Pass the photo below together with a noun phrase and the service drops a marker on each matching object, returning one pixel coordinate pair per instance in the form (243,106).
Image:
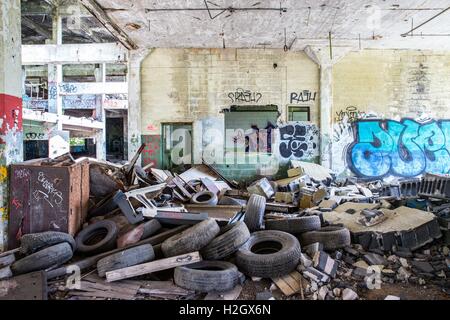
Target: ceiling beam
(36,27)
(93,7)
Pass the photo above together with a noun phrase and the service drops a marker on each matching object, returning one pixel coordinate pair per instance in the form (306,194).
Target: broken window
(296,113)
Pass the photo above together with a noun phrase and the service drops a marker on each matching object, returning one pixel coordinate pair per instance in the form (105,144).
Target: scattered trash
(199,235)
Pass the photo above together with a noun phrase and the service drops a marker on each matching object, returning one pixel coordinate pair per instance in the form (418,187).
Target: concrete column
(134,100)
(52,88)
(321,56)
(59,106)
(56,27)
(100,137)
(326,107)
(11,134)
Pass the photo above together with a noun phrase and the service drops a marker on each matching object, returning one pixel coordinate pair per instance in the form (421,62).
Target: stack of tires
(233,249)
(43,250)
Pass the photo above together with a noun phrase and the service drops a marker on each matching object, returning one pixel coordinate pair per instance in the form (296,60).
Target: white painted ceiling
(355,23)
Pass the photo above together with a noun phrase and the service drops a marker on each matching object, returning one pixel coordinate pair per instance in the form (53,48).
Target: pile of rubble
(154,234)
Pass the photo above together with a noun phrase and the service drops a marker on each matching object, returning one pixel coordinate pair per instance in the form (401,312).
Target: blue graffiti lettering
(406,148)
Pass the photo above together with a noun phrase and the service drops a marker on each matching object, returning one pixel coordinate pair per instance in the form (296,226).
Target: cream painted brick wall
(190,84)
(393,83)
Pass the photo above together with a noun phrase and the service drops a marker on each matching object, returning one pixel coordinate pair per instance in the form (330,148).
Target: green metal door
(176,146)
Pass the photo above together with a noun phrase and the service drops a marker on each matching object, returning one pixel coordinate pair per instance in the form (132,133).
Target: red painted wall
(10,112)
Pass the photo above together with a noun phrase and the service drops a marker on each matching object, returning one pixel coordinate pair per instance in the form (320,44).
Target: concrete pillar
(100,137)
(52,79)
(11,134)
(326,107)
(59,106)
(134,100)
(321,56)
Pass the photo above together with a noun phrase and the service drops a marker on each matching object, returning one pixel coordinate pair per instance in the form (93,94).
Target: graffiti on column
(299,141)
(406,148)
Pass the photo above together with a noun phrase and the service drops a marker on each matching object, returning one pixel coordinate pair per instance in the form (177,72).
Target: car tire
(254,212)
(126,258)
(30,243)
(229,240)
(331,237)
(192,239)
(208,276)
(268,254)
(205,197)
(294,225)
(49,257)
(98,237)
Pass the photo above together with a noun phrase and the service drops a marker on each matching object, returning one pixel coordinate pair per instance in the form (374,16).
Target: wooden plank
(162,288)
(283,286)
(93,7)
(9,252)
(101,294)
(5,273)
(7,260)
(289,284)
(232,294)
(149,267)
(90,261)
(30,286)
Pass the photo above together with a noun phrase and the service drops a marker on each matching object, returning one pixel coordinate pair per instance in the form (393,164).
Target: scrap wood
(90,261)
(160,288)
(289,284)
(232,294)
(94,286)
(153,266)
(129,168)
(9,252)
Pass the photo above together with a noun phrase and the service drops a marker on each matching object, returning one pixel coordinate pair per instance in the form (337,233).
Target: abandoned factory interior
(181,151)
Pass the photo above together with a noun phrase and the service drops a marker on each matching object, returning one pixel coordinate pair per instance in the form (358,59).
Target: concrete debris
(395,231)
(325,263)
(349,294)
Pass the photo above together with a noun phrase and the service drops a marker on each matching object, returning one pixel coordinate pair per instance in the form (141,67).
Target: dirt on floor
(406,291)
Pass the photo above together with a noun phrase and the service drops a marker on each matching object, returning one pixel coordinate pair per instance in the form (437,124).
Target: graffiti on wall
(68,88)
(302,96)
(351,113)
(10,128)
(151,154)
(84,101)
(242,96)
(299,141)
(401,148)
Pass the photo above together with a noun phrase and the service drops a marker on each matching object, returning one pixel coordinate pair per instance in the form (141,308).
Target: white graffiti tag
(50,193)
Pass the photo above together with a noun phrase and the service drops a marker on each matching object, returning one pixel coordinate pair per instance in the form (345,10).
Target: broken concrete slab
(315,275)
(349,294)
(375,259)
(313,170)
(422,266)
(261,187)
(323,262)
